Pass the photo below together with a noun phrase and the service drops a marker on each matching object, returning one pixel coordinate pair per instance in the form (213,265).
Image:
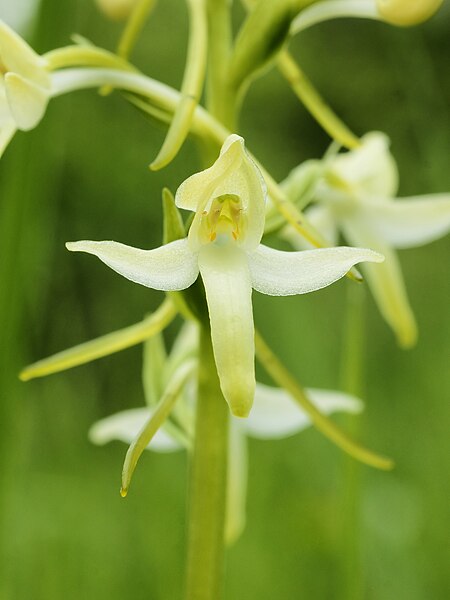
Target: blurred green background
(319,526)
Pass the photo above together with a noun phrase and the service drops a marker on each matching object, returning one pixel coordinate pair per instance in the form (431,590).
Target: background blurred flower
(356,197)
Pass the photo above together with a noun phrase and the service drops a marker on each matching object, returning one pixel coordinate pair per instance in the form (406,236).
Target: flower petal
(276,415)
(125,427)
(233,173)
(27,101)
(386,282)
(194,193)
(410,222)
(18,57)
(369,169)
(279,273)
(170,267)
(224,270)
(237,476)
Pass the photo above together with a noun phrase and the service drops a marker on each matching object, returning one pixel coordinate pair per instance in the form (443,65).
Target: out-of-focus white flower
(356,196)
(224,246)
(24,85)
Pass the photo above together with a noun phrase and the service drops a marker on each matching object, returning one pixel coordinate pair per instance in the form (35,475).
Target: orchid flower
(274,416)
(223,245)
(24,85)
(395,12)
(356,196)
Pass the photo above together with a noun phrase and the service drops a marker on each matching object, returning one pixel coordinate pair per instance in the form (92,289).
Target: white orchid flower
(223,245)
(24,85)
(357,198)
(396,12)
(274,416)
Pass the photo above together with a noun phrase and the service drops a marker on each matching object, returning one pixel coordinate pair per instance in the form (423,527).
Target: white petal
(17,56)
(322,219)
(410,222)
(237,476)
(27,101)
(234,173)
(369,169)
(276,415)
(334,9)
(386,282)
(194,193)
(279,273)
(170,267)
(7,131)
(225,273)
(125,427)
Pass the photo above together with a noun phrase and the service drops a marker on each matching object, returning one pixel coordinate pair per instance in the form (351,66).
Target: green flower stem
(208,483)
(103,346)
(313,102)
(220,99)
(191,89)
(134,26)
(209,462)
(87,56)
(284,379)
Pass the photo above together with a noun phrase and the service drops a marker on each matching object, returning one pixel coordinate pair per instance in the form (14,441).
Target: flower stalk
(208,482)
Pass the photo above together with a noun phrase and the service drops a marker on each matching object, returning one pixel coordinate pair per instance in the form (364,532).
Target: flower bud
(117,10)
(407,12)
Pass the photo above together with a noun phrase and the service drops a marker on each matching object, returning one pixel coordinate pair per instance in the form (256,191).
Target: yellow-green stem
(133,28)
(313,102)
(220,99)
(86,56)
(284,379)
(207,494)
(104,345)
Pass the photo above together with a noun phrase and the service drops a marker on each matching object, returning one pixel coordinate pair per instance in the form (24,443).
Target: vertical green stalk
(208,479)
(352,377)
(207,502)
(221,100)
